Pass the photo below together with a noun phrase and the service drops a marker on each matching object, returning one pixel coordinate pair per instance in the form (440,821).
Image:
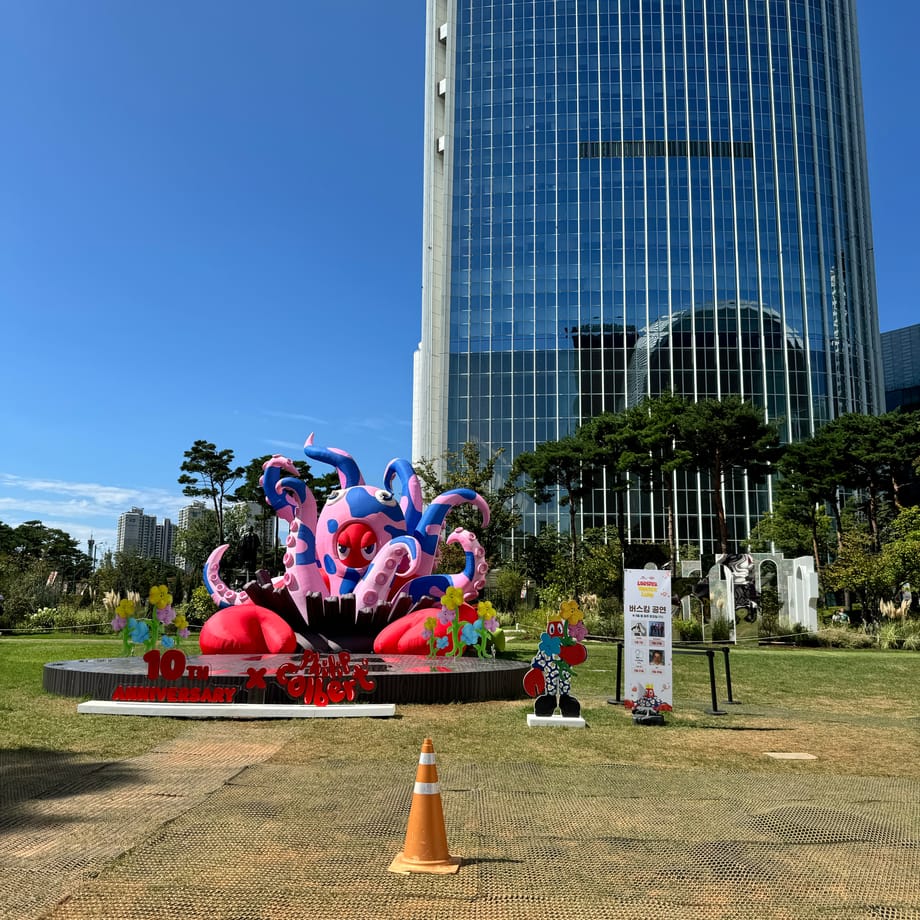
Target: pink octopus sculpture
(364,562)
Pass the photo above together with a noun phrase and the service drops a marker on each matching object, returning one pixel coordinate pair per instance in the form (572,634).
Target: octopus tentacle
(344,463)
(473,577)
(428,531)
(410,500)
(286,495)
(221,594)
(302,573)
(292,500)
(376,583)
(470,581)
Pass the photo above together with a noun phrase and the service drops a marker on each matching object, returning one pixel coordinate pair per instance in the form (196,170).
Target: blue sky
(210,227)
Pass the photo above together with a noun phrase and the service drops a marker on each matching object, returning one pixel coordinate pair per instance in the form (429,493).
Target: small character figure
(648,708)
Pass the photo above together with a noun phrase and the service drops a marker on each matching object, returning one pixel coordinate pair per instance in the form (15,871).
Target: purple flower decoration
(491,624)
(446,617)
(166,615)
(119,623)
(182,633)
(578,631)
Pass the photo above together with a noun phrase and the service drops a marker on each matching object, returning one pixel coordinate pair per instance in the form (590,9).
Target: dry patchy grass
(856,711)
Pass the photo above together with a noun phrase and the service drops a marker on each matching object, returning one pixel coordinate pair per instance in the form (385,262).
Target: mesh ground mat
(219,823)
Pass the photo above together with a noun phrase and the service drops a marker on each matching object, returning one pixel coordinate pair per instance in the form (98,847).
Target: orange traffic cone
(425,849)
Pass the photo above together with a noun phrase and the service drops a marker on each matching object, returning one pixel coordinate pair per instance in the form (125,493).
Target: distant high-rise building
(163,544)
(141,534)
(623,199)
(189,513)
(136,533)
(901,362)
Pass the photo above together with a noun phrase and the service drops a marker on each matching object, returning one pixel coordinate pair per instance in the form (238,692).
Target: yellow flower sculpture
(160,596)
(571,612)
(125,608)
(486,610)
(453,598)
(180,622)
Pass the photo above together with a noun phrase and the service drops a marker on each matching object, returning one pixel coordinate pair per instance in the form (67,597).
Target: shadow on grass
(30,773)
(746,728)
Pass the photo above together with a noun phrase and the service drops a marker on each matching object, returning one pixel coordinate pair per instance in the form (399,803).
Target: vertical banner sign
(647,645)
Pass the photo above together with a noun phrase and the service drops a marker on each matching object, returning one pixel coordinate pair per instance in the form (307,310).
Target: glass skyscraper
(625,197)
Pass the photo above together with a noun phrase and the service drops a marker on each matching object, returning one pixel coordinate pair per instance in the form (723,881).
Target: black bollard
(728,678)
(715,711)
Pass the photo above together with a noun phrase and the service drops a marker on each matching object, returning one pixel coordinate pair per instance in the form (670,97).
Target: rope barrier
(53,629)
(32,630)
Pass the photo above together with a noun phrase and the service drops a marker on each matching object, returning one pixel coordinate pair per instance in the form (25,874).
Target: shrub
(689,630)
(838,637)
(534,619)
(550,598)
(803,638)
(770,607)
(92,622)
(721,629)
(834,637)
(42,619)
(911,640)
(199,607)
(605,618)
(506,590)
(65,618)
(889,636)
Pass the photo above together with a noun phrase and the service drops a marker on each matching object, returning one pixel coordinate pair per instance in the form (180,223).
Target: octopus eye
(384,497)
(341,550)
(334,496)
(369,551)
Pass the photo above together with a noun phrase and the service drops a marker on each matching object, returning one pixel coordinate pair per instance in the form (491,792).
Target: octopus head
(354,525)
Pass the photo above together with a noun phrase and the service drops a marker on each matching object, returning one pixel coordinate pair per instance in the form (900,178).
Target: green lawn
(857,711)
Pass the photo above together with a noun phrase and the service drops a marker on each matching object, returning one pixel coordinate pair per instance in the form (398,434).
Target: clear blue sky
(210,227)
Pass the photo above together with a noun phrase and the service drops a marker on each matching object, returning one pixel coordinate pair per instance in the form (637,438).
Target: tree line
(47,579)
(848,496)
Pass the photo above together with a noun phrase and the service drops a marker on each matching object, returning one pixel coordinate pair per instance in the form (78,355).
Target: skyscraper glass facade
(625,197)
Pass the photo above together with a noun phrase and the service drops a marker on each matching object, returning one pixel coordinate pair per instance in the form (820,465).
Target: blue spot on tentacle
(350,581)
(429,585)
(362,505)
(434,515)
(307,556)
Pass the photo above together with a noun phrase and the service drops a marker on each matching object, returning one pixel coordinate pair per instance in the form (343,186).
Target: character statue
(549,679)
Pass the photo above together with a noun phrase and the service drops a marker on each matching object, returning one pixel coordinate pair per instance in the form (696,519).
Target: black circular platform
(398,678)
